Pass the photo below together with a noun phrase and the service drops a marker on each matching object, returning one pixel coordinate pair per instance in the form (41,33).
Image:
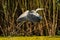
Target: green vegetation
(30,38)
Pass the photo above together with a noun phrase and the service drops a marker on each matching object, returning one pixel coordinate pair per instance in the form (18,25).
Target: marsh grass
(11,9)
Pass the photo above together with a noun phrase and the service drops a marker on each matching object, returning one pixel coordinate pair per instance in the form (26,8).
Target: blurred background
(10,10)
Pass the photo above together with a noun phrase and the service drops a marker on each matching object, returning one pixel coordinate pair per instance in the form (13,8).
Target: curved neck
(39,9)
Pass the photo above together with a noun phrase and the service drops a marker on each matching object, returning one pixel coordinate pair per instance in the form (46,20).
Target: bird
(30,15)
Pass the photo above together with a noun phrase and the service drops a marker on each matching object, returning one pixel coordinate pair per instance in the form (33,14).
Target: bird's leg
(19,25)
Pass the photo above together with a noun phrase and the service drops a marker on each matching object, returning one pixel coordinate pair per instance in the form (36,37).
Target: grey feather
(33,18)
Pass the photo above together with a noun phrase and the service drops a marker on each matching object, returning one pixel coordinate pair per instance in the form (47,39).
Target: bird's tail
(39,9)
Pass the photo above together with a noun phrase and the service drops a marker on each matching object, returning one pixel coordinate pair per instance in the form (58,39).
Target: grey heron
(32,16)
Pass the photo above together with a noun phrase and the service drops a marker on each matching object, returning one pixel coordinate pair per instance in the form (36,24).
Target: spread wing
(23,16)
(33,18)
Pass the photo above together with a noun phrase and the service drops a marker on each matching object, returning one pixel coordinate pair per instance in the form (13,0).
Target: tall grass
(11,9)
